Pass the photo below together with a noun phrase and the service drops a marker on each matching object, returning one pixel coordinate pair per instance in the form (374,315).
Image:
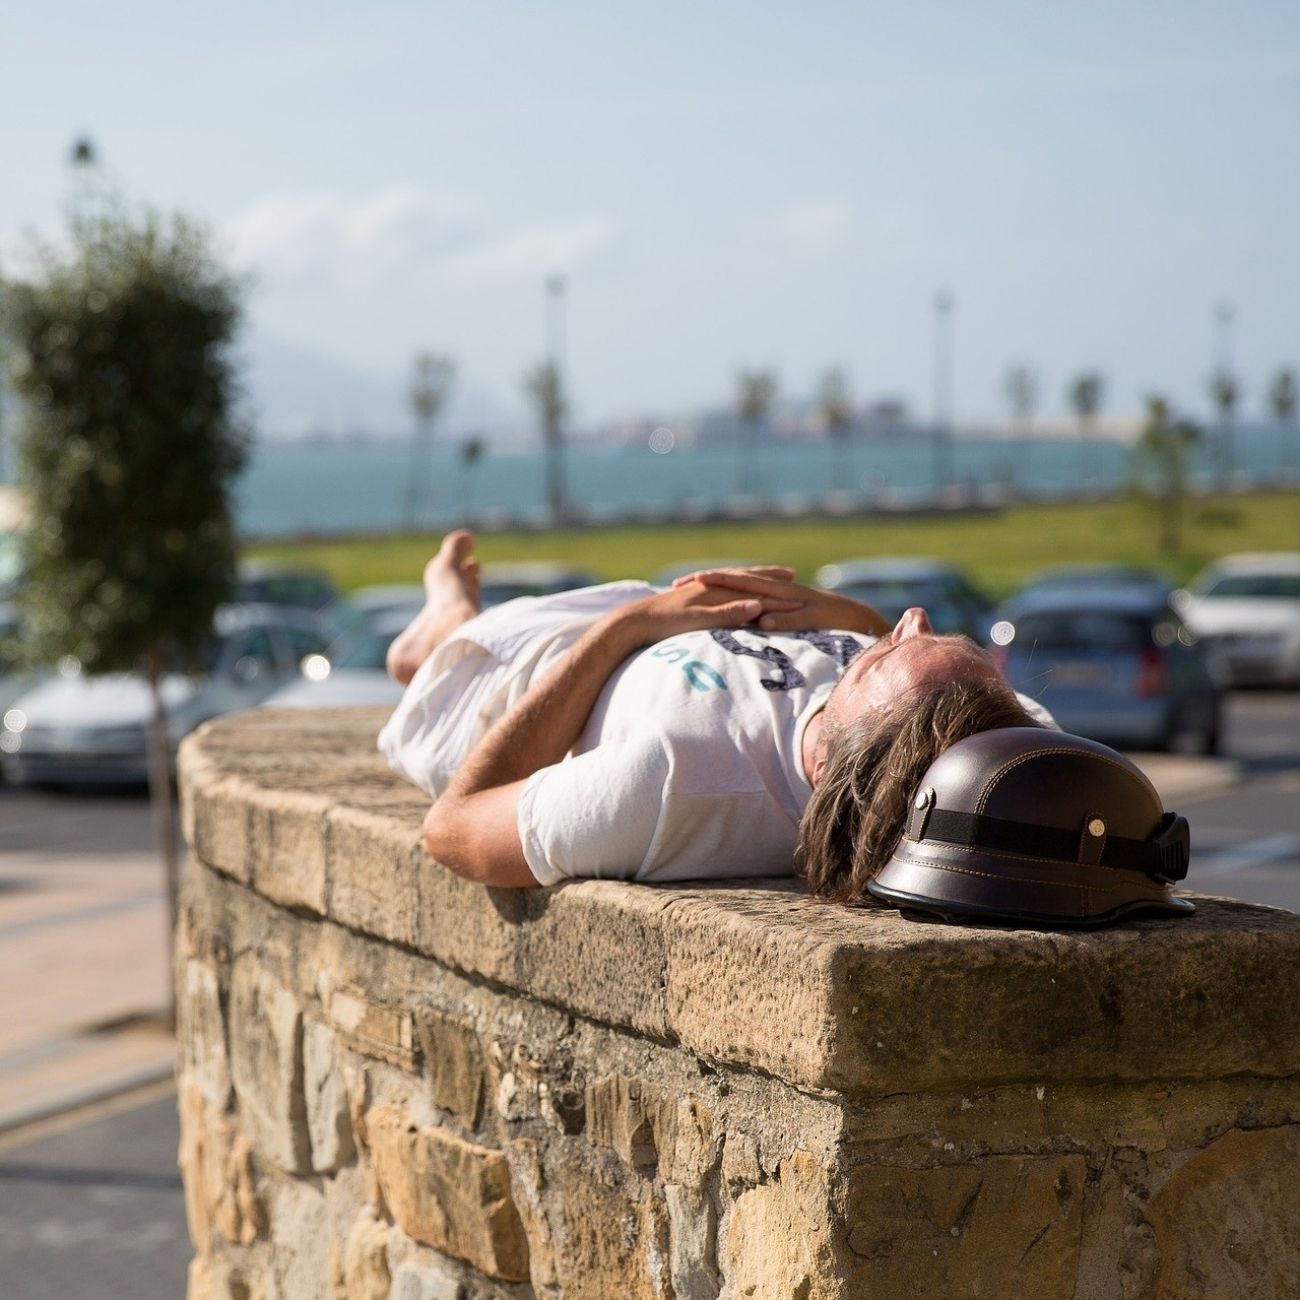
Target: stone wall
(397,1086)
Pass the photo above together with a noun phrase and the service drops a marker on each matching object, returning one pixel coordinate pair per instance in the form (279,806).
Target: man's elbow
(455,840)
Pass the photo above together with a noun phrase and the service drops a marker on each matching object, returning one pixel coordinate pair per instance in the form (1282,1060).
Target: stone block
(692,1243)
(365,1259)
(201,1029)
(219,831)
(266,1065)
(448,1193)
(652,1129)
(221,1194)
(325,1094)
(1226,1220)
(424,1279)
(778,1240)
(218,1279)
(989,1227)
(287,845)
(372,884)
(607,1228)
(373,1028)
(453,1063)
(300,1254)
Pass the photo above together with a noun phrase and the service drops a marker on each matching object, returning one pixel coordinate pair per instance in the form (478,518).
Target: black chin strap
(1165,855)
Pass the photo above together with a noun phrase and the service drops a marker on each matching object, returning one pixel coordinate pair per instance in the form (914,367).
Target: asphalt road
(96,1210)
(1246,838)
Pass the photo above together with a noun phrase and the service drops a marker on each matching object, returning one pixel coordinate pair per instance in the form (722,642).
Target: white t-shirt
(691,764)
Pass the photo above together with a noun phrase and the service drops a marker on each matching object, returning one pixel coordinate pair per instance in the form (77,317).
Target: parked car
(1115,664)
(16,676)
(268,582)
(365,606)
(502,582)
(351,671)
(952,601)
(78,729)
(1248,606)
(669,574)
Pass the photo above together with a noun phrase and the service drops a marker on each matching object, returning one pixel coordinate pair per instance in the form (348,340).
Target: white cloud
(402,231)
(810,227)
(534,251)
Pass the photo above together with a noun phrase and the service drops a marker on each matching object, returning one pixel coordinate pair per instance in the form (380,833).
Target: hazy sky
(725,185)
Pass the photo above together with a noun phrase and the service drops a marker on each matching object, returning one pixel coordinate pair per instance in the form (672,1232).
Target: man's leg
(452,597)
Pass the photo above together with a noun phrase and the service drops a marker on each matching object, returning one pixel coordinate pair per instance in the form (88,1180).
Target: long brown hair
(874,765)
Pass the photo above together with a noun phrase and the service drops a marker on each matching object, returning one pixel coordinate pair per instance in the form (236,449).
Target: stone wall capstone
(395,1085)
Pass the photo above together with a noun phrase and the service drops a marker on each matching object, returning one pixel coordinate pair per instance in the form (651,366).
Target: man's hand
(689,606)
(790,606)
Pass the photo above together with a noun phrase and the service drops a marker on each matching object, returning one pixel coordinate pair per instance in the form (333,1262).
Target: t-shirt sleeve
(1038,712)
(593,815)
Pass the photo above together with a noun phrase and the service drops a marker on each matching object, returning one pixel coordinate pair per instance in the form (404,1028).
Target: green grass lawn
(999,551)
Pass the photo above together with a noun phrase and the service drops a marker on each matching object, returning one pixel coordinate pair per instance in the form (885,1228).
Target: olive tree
(121,356)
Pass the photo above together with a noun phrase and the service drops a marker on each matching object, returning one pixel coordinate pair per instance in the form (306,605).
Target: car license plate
(1077,674)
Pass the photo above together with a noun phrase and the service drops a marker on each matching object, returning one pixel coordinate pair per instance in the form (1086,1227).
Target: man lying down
(735,724)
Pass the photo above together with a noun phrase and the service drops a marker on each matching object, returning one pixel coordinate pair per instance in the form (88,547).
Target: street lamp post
(555,493)
(1225,389)
(944,304)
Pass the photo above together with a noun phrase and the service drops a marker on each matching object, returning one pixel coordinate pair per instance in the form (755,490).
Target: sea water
(299,488)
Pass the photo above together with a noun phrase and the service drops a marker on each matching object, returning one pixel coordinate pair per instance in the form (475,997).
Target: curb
(31,1114)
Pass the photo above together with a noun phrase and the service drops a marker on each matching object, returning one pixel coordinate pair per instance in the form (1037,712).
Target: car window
(1256,586)
(1088,629)
(304,641)
(366,650)
(257,644)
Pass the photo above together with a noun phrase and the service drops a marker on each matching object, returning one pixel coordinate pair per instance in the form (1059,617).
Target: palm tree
(837,417)
(1085,395)
(1225,392)
(1164,453)
(1021,389)
(544,389)
(471,452)
(756,391)
(1282,402)
(428,394)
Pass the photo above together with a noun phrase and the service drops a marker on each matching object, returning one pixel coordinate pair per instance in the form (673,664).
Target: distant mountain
(296,392)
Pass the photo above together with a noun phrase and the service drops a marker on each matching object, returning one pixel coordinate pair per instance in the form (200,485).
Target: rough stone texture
(968,1228)
(448,1193)
(201,1031)
(395,1084)
(1244,1185)
(365,1259)
(454,1066)
(266,1065)
(329,1121)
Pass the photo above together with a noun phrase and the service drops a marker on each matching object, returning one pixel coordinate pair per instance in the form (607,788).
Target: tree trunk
(160,799)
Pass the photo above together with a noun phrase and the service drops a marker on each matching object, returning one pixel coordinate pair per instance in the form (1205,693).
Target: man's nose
(915,622)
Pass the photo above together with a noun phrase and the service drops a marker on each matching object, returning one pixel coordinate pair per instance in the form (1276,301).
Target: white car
(1247,607)
(74,729)
(351,671)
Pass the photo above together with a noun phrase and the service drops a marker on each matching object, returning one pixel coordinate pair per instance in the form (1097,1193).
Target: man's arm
(473,827)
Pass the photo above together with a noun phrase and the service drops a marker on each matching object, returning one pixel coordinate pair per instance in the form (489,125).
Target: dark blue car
(1113,663)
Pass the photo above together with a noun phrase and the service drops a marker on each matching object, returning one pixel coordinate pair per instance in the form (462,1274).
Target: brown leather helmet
(1023,824)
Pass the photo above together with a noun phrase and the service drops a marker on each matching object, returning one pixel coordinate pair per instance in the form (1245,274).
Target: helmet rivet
(922,798)
(1097,827)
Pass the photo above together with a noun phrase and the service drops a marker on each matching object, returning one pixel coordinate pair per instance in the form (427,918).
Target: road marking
(1254,853)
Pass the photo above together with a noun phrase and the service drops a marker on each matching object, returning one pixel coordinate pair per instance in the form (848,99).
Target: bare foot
(453,595)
